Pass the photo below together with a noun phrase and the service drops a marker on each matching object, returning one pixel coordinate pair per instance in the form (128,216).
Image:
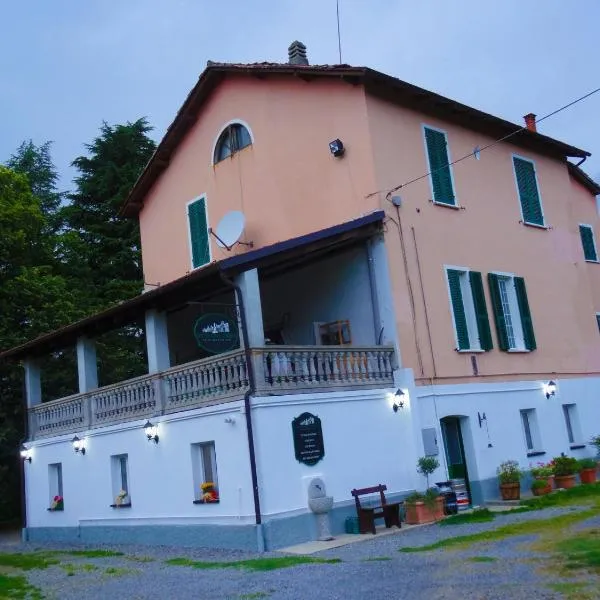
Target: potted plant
(544,472)
(57,504)
(595,441)
(509,477)
(424,507)
(565,468)
(426,465)
(587,470)
(209,492)
(540,487)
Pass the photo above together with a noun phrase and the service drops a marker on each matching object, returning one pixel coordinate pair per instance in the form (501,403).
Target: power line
(337,8)
(490,145)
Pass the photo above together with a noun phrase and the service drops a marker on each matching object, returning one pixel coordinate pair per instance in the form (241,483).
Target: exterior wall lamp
(78,445)
(398,400)
(151,432)
(550,389)
(336,147)
(25,453)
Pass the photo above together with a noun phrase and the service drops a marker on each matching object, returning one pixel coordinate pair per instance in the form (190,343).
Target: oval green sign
(216,333)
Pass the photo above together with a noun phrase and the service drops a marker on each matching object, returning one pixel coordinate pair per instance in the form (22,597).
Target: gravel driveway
(372,569)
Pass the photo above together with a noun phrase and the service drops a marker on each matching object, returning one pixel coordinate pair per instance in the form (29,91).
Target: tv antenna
(337,10)
(230,229)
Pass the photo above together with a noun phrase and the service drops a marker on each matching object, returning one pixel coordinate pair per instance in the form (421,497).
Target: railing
(222,378)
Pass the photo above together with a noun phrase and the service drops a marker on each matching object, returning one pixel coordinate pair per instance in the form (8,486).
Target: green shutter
(598,321)
(481,314)
(437,151)
(526,322)
(587,241)
(529,196)
(199,233)
(458,309)
(498,312)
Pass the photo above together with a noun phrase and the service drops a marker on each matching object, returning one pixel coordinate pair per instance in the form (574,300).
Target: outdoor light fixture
(337,148)
(398,400)
(550,389)
(78,445)
(482,418)
(25,453)
(151,432)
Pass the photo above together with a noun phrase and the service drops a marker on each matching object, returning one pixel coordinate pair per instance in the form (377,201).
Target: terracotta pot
(542,491)
(564,481)
(587,475)
(549,479)
(510,491)
(419,512)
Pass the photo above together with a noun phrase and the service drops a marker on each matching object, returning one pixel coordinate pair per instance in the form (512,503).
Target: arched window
(232,139)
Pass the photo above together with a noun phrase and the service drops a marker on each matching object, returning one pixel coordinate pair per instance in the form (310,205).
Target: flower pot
(419,512)
(564,481)
(587,475)
(510,491)
(542,491)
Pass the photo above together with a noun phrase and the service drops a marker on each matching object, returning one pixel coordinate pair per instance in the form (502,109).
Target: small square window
(55,486)
(120,480)
(531,430)
(205,478)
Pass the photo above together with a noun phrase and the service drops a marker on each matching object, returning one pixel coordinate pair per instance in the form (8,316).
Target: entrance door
(453,445)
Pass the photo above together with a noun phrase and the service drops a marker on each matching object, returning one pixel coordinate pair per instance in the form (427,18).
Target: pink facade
(288,184)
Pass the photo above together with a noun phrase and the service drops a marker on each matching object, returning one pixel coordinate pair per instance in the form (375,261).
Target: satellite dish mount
(230,229)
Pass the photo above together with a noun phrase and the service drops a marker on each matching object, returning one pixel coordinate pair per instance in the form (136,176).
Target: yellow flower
(207,485)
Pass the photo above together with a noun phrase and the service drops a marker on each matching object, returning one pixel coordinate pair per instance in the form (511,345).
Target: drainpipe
(247,395)
(24,535)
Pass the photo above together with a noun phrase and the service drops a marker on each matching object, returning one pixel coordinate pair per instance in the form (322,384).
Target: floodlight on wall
(151,432)
(398,400)
(550,389)
(78,445)
(25,453)
(336,147)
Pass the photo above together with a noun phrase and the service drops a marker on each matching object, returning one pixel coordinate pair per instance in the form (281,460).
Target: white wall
(365,442)
(335,288)
(502,403)
(160,475)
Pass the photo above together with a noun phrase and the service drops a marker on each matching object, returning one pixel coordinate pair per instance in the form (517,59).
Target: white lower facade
(365,443)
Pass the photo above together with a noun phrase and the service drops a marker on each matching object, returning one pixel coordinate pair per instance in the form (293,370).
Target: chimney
(297,54)
(530,122)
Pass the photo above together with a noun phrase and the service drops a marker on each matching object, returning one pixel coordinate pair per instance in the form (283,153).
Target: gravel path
(371,569)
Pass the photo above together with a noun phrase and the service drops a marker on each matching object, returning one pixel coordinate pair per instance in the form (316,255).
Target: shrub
(426,465)
(595,441)
(587,463)
(539,484)
(509,472)
(542,470)
(565,465)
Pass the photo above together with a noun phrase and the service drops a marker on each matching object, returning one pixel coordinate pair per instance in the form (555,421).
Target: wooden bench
(390,512)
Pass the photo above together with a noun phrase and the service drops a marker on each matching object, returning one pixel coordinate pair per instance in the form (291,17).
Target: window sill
(204,502)
(477,351)
(55,509)
(594,262)
(518,351)
(536,453)
(128,505)
(535,225)
(576,446)
(446,204)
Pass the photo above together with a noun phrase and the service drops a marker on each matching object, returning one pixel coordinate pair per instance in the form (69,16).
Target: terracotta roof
(375,82)
(582,177)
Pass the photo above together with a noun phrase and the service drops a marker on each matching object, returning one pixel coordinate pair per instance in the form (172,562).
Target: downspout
(249,393)
(24,535)
(581,161)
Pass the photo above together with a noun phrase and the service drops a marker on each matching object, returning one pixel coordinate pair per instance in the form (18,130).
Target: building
(382,303)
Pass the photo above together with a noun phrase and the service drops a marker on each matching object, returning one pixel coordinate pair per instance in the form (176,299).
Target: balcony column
(87,365)
(250,287)
(157,341)
(384,313)
(33,382)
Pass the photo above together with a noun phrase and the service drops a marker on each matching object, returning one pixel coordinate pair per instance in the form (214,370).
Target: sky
(68,65)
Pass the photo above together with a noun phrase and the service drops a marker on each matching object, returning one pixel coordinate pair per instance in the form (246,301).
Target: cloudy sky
(67,65)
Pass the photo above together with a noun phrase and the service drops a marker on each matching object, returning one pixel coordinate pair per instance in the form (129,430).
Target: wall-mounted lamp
(398,400)
(482,418)
(336,147)
(151,432)
(230,420)
(550,389)
(78,445)
(25,453)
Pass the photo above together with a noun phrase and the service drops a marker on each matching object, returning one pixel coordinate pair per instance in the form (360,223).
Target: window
(55,482)
(531,431)
(511,312)
(572,424)
(469,310)
(598,320)
(120,480)
(436,145)
(529,196)
(204,465)
(588,242)
(198,228)
(232,139)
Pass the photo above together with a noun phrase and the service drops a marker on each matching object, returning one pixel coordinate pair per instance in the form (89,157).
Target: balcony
(279,370)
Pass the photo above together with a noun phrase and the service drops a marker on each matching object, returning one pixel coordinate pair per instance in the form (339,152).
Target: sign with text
(216,333)
(308,439)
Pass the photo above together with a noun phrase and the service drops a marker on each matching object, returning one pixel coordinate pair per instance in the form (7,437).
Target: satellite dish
(230,229)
